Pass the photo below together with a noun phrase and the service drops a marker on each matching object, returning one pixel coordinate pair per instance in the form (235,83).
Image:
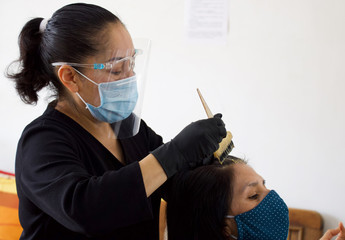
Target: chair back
(305,225)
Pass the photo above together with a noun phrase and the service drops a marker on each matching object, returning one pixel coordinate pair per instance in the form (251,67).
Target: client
(228,201)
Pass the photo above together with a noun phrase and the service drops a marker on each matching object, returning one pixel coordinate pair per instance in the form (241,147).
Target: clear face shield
(114,86)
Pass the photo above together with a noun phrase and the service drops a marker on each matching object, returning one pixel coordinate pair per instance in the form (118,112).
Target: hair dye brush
(226,145)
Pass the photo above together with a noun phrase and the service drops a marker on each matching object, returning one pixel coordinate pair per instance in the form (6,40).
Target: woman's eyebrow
(118,58)
(251,184)
(115,59)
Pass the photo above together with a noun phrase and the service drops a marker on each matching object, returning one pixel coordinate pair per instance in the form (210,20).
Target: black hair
(71,34)
(199,200)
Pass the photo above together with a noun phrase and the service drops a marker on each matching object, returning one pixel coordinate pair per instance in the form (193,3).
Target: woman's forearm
(153,174)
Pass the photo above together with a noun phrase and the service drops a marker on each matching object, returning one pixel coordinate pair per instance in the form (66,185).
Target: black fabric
(71,187)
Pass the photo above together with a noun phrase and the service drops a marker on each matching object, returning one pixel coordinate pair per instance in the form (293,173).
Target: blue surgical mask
(118,99)
(267,221)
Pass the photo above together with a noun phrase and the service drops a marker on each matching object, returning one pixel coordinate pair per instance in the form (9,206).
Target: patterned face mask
(267,221)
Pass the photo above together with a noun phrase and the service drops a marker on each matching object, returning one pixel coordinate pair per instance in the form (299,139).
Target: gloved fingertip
(218,115)
(224,133)
(219,122)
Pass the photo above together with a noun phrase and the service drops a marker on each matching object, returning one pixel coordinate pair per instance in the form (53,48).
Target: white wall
(279,83)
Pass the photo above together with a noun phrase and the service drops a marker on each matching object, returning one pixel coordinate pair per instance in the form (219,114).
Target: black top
(71,187)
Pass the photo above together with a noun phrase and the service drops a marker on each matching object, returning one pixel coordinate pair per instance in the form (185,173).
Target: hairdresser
(89,167)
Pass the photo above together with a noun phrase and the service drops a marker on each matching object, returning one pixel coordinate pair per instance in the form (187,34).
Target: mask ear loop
(86,107)
(231,217)
(85,77)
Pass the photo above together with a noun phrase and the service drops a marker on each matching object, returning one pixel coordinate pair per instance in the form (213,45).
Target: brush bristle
(225,147)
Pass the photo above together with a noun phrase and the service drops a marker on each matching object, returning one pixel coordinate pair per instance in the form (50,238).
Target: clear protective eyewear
(116,65)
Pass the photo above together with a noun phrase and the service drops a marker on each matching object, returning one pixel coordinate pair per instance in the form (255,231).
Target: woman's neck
(102,131)
(82,116)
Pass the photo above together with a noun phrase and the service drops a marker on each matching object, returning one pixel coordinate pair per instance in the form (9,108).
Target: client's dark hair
(199,200)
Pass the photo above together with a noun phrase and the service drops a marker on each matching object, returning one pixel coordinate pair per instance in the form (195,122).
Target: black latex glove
(193,146)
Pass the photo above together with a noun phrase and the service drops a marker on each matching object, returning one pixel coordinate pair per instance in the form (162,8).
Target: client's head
(225,201)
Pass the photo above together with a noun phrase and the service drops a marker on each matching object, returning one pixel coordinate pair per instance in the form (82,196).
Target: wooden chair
(305,225)
(162,220)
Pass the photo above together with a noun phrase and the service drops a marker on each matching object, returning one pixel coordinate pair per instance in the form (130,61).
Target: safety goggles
(114,65)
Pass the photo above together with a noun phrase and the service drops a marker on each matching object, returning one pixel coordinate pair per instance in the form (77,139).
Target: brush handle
(226,145)
(207,109)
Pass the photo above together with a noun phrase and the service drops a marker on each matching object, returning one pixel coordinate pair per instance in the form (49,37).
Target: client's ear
(227,231)
(230,228)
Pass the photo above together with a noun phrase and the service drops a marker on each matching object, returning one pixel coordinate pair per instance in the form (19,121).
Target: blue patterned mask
(118,99)
(267,221)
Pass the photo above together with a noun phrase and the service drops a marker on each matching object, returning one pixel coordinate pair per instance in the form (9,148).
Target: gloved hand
(193,146)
